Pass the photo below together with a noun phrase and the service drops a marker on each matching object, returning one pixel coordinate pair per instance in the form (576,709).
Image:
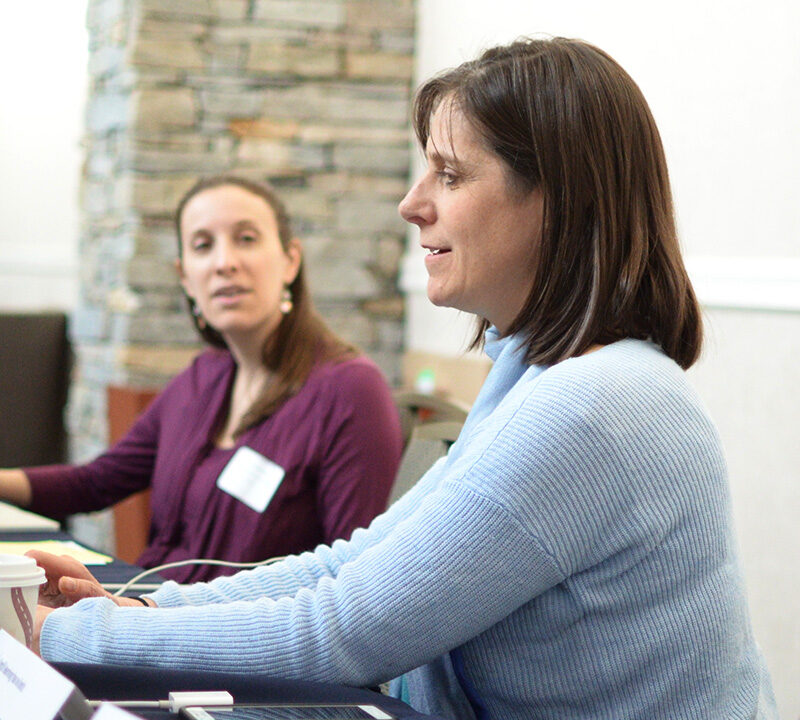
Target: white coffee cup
(20,578)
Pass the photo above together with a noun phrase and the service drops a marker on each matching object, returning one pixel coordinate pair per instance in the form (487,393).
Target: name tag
(251,478)
(29,687)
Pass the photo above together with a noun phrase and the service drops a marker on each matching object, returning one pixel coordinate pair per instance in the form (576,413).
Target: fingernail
(70,584)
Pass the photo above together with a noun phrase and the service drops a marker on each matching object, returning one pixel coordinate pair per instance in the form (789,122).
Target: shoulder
(629,376)
(350,377)
(624,397)
(350,391)
(596,435)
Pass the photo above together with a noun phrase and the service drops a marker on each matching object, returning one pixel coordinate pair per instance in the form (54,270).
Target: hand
(67,580)
(41,613)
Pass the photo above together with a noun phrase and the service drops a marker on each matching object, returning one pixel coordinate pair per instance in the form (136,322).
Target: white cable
(177,701)
(195,561)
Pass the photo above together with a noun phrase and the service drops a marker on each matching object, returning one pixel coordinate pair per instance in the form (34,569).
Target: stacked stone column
(311,95)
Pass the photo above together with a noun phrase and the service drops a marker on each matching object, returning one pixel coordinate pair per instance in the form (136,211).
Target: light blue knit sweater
(574,551)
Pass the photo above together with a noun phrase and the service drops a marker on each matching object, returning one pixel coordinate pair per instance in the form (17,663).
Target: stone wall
(312,95)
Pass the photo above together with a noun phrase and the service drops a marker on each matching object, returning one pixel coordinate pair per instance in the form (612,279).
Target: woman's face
(232,263)
(480,234)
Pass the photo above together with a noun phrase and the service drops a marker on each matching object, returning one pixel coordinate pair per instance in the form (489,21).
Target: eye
(248,237)
(200,243)
(447,177)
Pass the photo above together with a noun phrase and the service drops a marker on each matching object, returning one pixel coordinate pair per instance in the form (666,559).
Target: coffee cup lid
(19,570)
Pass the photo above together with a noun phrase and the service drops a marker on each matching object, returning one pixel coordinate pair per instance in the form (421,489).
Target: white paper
(251,478)
(14,518)
(29,687)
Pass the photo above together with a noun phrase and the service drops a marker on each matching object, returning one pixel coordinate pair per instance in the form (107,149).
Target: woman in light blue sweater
(573,555)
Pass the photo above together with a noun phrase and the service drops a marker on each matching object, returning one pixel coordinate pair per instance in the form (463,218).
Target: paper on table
(57,547)
(14,518)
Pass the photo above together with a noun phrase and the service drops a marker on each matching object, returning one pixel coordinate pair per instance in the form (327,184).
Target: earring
(198,317)
(286,303)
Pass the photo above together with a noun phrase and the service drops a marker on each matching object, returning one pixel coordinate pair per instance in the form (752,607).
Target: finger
(56,566)
(75,589)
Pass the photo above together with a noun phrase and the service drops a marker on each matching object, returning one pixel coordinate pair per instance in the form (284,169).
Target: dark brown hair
(301,340)
(565,118)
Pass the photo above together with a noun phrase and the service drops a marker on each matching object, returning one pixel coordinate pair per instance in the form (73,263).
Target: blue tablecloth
(111,682)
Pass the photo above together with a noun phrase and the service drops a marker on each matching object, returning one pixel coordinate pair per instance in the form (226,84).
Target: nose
(226,259)
(416,207)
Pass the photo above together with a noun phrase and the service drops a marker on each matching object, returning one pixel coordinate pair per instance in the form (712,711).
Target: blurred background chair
(35,364)
(417,408)
(430,425)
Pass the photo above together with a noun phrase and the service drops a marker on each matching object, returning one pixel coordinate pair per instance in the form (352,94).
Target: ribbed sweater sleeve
(340,630)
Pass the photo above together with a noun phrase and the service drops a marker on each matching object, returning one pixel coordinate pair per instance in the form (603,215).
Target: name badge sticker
(251,478)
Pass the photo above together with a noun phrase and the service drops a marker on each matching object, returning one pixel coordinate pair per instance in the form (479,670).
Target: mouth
(432,251)
(229,291)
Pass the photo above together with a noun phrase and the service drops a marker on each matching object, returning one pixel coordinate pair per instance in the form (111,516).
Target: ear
(181,275)
(294,253)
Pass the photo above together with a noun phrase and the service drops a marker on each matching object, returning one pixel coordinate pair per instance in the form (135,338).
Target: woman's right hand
(68,581)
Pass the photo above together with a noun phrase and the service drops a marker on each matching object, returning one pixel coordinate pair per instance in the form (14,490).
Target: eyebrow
(433,154)
(249,224)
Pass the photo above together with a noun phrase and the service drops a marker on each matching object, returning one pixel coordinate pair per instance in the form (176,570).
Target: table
(107,682)
(110,682)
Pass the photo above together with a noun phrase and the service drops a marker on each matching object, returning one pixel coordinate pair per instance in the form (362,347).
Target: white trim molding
(33,286)
(745,283)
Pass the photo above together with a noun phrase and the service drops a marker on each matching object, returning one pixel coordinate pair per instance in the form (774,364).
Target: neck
(248,348)
(251,374)
(249,382)
(249,359)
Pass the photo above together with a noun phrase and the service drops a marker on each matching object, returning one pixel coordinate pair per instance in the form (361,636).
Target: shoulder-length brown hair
(301,340)
(564,117)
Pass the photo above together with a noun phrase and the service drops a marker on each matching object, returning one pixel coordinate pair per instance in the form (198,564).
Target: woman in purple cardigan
(278,438)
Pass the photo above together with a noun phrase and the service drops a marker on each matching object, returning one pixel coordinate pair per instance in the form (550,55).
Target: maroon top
(338,440)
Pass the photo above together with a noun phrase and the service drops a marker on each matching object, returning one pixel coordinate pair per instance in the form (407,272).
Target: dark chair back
(35,363)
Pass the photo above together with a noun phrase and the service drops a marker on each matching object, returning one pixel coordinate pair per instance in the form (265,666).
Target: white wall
(43,57)
(723,81)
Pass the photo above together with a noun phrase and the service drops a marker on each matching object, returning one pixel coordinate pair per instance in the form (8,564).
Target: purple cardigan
(338,440)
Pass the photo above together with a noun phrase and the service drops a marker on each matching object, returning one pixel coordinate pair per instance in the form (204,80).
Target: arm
(430,585)
(361,449)
(61,490)
(441,566)
(15,487)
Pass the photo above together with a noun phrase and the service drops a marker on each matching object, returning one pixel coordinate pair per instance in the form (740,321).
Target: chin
(444,301)
(437,297)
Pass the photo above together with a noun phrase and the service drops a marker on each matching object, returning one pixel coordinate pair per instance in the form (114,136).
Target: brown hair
(301,340)
(564,117)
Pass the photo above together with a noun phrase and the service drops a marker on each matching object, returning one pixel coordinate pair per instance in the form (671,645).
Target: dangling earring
(198,316)
(286,304)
